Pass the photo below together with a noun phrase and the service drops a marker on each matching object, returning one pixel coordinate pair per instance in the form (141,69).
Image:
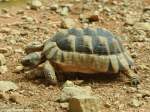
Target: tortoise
(83,50)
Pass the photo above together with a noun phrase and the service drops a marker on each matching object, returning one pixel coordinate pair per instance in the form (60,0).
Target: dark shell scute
(91,32)
(59,36)
(64,44)
(80,47)
(113,48)
(77,32)
(98,48)
(95,36)
(105,33)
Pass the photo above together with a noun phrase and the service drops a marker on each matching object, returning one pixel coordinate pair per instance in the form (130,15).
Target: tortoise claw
(50,78)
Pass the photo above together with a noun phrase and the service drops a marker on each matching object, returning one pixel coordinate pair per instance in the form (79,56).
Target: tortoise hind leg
(49,73)
(134,79)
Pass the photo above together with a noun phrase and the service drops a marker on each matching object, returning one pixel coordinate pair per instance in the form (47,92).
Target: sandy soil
(36,96)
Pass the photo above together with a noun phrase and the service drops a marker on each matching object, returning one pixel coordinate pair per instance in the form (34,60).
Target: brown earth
(115,93)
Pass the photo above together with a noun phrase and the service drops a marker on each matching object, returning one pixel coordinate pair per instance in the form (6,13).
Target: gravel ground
(130,19)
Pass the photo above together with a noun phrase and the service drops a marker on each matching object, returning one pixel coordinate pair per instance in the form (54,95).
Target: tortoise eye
(26,62)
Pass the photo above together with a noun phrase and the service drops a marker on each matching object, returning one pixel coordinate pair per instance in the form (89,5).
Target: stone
(7,86)
(6,15)
(6,51)
(145,93)
(86,25)
(93,18)
(69,92)
(68,84)
(2,38)
(64,11)
(143,67)
(142,26)
(64,105)
(19,68)
(84,104)
(67,23)
(134,55)
(5,10)
(2,60)
(21,51)
(20,12)
(135,103)
(4,0)
(54,7)
(4,96)
(3,50)
(138,35)
(17,98)
(146,8)
(107,105)
(138,95)
(3,69)
(131,90)
(129,21)
(35,4)
(13,41)
(83,18)
(146,17)
(5,30)
(107,9)
(77,0)
(28,18)
(68,5)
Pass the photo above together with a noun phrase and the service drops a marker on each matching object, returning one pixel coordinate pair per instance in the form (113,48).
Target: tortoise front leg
(49,73)
(133,77)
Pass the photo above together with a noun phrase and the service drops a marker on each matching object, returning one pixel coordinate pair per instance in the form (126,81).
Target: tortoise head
(32,59)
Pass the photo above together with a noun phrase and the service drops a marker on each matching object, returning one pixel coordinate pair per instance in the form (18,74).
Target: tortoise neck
(43,58)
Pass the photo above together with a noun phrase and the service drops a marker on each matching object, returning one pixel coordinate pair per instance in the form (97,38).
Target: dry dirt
(115,93)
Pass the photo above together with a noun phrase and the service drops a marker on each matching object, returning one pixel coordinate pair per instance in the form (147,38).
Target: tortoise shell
(96,49)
